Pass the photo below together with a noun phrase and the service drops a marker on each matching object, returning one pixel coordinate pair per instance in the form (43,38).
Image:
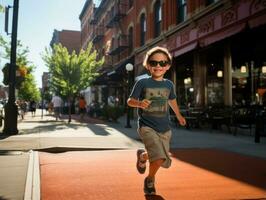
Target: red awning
(185,49)
(220,35)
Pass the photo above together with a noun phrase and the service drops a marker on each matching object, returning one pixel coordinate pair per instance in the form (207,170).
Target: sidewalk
(18,176)
(17,163)
(195,174)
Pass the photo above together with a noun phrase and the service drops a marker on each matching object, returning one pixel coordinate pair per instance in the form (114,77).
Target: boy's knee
(158,162)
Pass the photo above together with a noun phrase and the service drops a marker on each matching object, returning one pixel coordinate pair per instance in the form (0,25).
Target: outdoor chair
(216,116)
(260,128)
(243,118)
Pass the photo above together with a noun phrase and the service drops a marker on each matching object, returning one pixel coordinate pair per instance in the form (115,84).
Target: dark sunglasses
(162,63)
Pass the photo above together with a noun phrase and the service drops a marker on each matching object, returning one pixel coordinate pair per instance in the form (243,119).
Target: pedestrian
(33,106)
(82,107)
(57,103)
(111,100)
(152,96)
(23,108)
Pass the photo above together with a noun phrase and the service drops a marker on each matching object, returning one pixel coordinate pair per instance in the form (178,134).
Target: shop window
(181,10)
(157,18)
(184,81)
(215,75)
(249,65)
(215,86)
(143,29)
(249,83)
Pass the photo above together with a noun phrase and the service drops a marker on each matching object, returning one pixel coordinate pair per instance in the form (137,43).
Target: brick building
(212,42)
(68,38)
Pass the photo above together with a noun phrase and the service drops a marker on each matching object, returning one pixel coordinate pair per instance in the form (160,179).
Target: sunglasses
(162,63)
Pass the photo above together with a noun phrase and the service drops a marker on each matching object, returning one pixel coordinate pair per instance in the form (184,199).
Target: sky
(36,23)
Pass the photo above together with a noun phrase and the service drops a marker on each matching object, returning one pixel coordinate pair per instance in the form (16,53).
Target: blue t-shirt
(156,115)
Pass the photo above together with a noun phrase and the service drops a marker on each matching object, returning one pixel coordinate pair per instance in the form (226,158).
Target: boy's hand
(145,103)
(182,120)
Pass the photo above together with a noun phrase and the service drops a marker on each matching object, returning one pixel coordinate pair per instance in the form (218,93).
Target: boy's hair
(155,50)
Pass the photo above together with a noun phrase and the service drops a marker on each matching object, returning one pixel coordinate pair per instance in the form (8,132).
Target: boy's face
(158,65)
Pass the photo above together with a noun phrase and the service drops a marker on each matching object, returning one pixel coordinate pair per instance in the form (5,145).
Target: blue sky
(36,23)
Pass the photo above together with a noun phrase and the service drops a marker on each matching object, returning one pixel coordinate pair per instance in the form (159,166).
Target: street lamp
(129,69)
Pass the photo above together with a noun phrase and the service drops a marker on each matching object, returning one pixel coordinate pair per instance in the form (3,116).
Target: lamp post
(129,69)
(42,93)
(11,109)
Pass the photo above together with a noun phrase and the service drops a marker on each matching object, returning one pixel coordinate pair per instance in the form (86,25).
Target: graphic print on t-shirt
(159,101)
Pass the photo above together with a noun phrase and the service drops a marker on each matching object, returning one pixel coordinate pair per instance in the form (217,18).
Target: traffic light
(21,72)
(5,71)
(20,75)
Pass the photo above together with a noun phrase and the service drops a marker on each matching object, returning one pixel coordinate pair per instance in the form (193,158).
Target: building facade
(218,46)
(68,38)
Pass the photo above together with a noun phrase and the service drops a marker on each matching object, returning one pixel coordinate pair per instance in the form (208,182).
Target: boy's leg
(149,188)
(154,166)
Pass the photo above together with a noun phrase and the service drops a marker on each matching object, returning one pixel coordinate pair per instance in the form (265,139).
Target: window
(157,18)
(130,39)
(182,10)
(143,29)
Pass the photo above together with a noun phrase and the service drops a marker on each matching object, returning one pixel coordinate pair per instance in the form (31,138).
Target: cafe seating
(260,128)
(216,116)
(243,118)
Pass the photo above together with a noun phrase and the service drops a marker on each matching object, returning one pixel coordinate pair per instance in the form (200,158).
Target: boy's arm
(176,110)
(138,104)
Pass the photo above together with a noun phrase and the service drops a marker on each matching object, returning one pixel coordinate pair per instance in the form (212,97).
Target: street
(194,174)
(96,160)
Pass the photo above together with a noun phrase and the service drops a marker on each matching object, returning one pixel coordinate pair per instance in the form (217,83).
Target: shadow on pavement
(48,128)
(98,129)
(246,169)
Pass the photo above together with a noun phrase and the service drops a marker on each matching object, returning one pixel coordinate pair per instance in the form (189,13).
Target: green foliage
(73,72)
(2,9)
(28,88)
(112,112)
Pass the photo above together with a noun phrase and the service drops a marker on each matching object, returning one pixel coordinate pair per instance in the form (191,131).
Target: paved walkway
(18,168)
(195,174)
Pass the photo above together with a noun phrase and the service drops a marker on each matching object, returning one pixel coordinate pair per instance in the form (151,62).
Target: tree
(73,72)
(2,9)
(28,89)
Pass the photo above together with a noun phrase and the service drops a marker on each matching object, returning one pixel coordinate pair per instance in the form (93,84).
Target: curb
(62,149)
(32,188)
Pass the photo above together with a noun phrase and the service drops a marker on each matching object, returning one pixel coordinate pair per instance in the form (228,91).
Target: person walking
(82,107)
(152,96)
(33,106)
(57,103)
(23,108)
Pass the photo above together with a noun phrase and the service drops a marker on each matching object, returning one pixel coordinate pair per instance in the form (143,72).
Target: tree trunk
(69,110)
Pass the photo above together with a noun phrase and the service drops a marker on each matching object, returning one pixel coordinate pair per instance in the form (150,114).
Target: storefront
(248,66)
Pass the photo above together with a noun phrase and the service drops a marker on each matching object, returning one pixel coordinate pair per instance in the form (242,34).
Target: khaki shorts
(157,144)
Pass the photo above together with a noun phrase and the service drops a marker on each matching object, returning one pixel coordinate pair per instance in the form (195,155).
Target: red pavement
(195,174)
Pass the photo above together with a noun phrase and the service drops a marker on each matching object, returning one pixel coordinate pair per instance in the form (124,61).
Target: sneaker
(141,165)
(149,188)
